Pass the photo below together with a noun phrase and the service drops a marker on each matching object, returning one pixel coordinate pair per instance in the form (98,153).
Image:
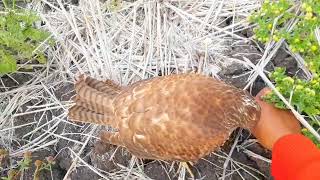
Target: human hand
(274,123)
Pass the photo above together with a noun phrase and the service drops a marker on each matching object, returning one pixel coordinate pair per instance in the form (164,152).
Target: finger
(264,92)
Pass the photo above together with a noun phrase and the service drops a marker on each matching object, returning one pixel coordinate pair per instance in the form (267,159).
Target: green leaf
(19,38)
(41,59)
(7,64)
(35,34)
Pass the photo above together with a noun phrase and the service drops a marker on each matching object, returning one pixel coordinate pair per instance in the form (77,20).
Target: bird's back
(181,117)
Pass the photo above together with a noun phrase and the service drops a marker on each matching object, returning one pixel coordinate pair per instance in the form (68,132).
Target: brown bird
(177,117)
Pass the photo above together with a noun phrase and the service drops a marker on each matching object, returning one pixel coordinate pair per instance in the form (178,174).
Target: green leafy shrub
(272,24)
(19,38)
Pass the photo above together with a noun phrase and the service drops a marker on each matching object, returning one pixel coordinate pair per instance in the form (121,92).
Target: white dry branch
(134,40)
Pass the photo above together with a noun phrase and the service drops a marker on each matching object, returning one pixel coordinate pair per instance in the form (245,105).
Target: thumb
(262,93)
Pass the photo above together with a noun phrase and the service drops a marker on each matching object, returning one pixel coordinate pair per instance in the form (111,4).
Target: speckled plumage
(178,117)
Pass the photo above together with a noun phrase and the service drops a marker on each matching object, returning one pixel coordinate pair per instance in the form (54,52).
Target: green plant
(41,166)
(19,38)
(12,175)
(273,21)
(3,158)
(113,5)
(23,165)
(26,163)
(310,136)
